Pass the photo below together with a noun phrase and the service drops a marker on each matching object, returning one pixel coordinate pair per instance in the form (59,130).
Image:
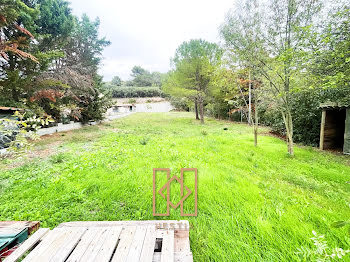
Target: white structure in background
(159,107)
(123,108)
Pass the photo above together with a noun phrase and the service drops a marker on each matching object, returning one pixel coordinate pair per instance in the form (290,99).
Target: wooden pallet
(14,227)
(12,233)
(109,241)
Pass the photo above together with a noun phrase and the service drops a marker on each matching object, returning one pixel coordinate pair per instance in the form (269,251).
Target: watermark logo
(185,191)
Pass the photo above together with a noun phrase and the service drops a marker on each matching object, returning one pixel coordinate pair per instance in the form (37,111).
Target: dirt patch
(45,152)
(42,148)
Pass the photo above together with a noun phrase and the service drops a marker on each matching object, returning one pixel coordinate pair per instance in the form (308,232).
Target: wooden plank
(323,122)
(183,257)
(160,224)
(60,247)
(11,231)
(148,245)
(182,241)
(69,243)
(44,244)
(84,243)
(126,238)
(137,244)
(14,224)
(178,256)
(6,226)
(47,253)
(108,247)
(167,254)
(95,245)
(27,245)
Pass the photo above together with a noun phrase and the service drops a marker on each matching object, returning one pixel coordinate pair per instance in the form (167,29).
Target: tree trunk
(201,110)
(196,108)
(250,102)
(256,125)
(13,85)
(15,94)
(288,122)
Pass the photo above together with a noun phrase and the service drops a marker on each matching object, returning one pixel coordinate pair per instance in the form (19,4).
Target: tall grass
(254,203)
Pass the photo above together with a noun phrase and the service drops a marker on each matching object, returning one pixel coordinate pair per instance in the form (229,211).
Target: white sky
(147,32)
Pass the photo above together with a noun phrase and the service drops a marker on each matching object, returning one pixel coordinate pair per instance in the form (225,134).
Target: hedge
(132,91)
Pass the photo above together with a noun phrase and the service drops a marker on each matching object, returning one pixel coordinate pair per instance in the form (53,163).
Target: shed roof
(333,105)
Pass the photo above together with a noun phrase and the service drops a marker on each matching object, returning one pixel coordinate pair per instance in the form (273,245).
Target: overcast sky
(147,32)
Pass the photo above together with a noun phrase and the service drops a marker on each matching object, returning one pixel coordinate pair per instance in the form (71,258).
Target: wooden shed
(335,127)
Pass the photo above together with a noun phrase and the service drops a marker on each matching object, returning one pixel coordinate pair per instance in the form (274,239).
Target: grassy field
(254,204)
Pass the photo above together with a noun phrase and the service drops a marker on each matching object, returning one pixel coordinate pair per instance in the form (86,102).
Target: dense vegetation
(49,60)
(286,57)
(136,91)
(142,84)
(254,203)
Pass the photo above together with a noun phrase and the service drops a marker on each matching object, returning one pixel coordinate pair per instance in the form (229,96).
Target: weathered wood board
(109,241)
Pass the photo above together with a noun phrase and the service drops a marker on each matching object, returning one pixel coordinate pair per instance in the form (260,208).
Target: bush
(132,101)
(180,104)
(132,91)
(14,132)
(306,113)
(8,133)
(219,109)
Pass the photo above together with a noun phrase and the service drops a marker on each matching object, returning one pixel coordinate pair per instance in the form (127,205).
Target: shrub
(132,101)
(306,113)
(132,91)
(58,158)
(14,132)
(180,104)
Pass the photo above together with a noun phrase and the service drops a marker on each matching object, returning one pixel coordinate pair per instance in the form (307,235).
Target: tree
(116,81)
(17,49)
(55,24)
(141,77)
(157,78)
(138,71)
(14,37)
(61,72)
(235,90)
(330,56)
(195,62)
(271,36)
(85,47)
(76,74)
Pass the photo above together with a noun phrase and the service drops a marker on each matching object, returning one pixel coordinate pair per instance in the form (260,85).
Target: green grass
(254,203)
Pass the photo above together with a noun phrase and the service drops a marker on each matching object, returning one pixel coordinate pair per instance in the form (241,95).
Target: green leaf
(339,224)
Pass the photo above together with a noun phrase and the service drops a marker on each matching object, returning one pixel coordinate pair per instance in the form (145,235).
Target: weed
(58,158)
(204,133)
(144,141)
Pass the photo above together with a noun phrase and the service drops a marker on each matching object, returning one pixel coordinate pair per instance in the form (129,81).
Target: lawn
(254,203)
